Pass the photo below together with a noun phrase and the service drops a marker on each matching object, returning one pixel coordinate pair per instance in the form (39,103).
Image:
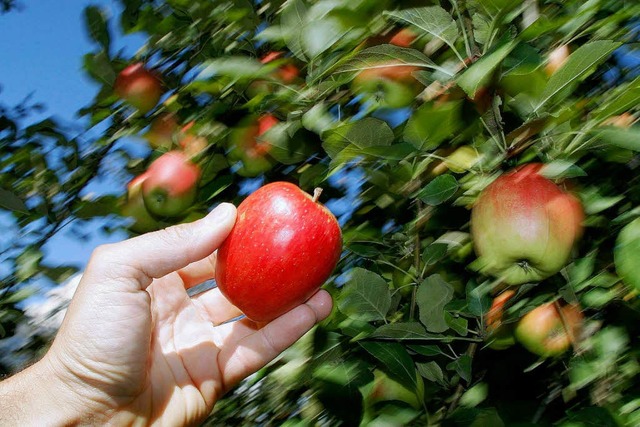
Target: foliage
(407,341)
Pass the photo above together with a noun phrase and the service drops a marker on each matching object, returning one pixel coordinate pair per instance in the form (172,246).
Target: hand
(135,348)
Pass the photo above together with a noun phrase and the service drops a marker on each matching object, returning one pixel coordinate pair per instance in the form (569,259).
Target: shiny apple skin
(281,250)
(524,226)
(139,87)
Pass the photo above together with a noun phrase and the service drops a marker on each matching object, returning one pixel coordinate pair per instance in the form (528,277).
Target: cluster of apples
(524,227)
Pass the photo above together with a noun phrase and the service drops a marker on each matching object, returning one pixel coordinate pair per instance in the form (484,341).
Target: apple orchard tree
(404,113)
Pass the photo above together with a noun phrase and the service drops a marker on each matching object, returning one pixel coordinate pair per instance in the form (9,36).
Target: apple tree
(480,156)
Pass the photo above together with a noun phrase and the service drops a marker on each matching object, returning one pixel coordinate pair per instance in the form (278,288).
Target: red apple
(134,208)
(139,87)
(161,131)
(403,37)
(249,148)
(524,226)
(283,247)
(499,335)
(550,330)
(388,84)
(171,184)
(287,72)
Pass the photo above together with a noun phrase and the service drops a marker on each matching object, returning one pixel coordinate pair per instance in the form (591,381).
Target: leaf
(347,373)
(626,254)
(236,67)
(431,371)
(434,253)
(432,20)
(366,296)
(368,132)
(441,189)
(433,294)
(623,99)
(386,55)
(579,64)
(99,68)
(479,74)
(8,200)
(459,324)
(396,361)
(96,25)
(292,20)
(623,138)
(432,124)
(28,263)
(403,331)
(462,366)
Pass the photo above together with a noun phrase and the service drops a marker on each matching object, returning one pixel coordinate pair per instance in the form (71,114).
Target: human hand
(134,348)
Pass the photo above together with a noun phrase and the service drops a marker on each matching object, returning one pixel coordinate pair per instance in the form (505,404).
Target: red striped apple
(524,226)
(139,87)
(171,184)
(283,247)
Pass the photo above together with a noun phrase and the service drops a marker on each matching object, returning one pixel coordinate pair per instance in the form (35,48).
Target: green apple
(524,226)
(550,330)
(134,208)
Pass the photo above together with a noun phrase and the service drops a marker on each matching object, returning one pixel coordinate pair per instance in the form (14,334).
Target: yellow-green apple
(283,247)
(248,146)
(389,84)
(550,330)
(627,252)
(524,226)
(161,131)
(499,335)
(134,208)
(556,59)
(139,87)
(171,184)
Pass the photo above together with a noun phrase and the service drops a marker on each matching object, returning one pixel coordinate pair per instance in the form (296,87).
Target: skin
(524,226)
(139,87)
(135,349)
(548,331)
(296,251)
(171,184)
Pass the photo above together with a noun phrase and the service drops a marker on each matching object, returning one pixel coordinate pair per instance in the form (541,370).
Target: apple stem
(316,194)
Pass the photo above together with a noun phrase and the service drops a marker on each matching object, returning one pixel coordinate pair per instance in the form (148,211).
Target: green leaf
(365,133)
(396,361)
(431,371)
(236,67)
(292,19)
(432,20)
(8,200)
(459,324)
(347,373)
(623,99)
(462,366)
(28,263)
(433,294)
(626,254)
(99,68)
(99,207)
(319,35)
(475,395)
(366,296)
(404,331)
(434,253)
(431,124)
(441,189)
(579,64)
(96,24)
(386,55)
(623,138)
(479,74)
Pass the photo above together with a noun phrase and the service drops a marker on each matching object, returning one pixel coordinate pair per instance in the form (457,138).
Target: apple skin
(499,335)
(287,73)
(134,208)
(389,84)
(281,250)
(549,331)
(557,59)
(403,38)
(161,131)
(139,87)
(524,226)
(171,184)
(247,147)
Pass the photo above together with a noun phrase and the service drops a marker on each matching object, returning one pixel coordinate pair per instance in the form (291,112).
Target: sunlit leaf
(366,296)
(433,20)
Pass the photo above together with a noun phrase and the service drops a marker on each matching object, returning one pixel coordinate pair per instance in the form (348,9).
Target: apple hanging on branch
(139,87)
(524,226)
(249,148)
(283,247)
(134,208)
(171,184)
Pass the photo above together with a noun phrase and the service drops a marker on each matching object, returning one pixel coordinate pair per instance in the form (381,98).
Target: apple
(499,335)
(624,120)
(626,253)
(139,87)
(171,184)
(287,72)
(550,330)
(389,84)
(191,144)
(556,59)
(134,208)
(403,38)
(161,131)
(524,226)
(283,247)
(249,148)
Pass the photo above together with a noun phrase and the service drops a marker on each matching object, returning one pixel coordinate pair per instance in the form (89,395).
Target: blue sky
(42,46)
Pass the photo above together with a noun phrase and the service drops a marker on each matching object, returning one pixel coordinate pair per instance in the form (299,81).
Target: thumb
(137,261)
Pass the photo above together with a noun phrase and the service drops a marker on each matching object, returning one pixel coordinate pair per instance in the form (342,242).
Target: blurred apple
(550,330)
(191,144)
(161,131)
(388,84)
(135,208)
(139,87)
(556,59)
(248,147)
(499,335)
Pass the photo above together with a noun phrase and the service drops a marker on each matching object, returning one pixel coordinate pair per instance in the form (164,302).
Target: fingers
(242,357)
(198,272)
(154,255)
